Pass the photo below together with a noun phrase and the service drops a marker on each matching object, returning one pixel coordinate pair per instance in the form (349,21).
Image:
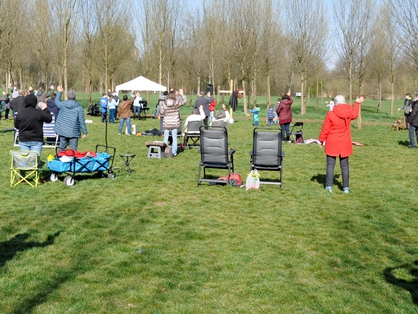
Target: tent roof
(141,84)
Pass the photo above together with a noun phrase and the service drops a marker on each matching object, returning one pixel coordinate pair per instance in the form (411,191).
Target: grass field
(216,249)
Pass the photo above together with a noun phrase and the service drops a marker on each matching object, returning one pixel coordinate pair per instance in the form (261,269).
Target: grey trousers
(344,170)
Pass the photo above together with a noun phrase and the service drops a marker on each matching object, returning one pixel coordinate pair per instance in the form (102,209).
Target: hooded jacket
(30,121)
(285,110)
(70,119)
(170,111)
(336,130)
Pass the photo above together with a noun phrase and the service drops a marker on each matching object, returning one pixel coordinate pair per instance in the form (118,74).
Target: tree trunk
(245,98)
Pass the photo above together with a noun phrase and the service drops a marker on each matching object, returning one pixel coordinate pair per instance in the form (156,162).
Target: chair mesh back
(267,148)
(219,123)
(25,160)
(214,145)
(194,127)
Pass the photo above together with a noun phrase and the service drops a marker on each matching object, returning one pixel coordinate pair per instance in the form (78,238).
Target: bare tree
(405,18)
(354,19)
(65,14)
(306,30)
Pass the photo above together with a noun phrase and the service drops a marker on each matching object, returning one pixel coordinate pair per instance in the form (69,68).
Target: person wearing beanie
(70,121)
(30,121)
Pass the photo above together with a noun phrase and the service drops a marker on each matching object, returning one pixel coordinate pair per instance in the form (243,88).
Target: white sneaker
(328,188)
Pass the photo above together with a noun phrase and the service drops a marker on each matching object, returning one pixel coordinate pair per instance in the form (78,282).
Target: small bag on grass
(168,153)
(253,180)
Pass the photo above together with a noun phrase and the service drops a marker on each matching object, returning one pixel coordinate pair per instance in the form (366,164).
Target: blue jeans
(137,109)
(413,131)
(174,136)
(255,123)
(128,124)
(65,141)
(32,145)
(112,113)
(285,131)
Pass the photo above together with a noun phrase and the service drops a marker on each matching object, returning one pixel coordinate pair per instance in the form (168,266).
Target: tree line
(264,47)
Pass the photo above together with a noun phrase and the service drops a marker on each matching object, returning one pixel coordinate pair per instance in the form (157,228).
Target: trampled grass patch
(212,249)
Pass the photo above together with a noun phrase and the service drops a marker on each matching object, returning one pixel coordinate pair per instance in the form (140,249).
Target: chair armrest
(231,152)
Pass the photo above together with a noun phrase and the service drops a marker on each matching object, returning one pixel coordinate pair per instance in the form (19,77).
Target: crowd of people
(31,109)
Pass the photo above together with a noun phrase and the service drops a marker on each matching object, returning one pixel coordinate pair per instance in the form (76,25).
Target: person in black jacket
(29,122)
(413,123)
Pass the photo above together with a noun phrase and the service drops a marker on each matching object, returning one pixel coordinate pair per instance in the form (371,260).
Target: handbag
(253,180)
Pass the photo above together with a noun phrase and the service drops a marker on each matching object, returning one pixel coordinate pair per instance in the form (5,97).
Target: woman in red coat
(336,134)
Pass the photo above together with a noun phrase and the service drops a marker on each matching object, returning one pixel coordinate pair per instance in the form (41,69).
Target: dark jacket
(52,107)
(30,122)
(413,117)
(205,102)
(17,104)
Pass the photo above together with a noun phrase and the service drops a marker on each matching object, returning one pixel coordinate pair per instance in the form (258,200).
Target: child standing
(255,111)
(270,117)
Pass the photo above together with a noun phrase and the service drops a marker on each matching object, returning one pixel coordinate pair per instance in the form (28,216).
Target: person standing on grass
(336,134)
(413,123)
(205,102)
(70,121)
(407,108)
(112,108)
(285,115)
(125,114)
(104,101)
(256,114)
(171,111)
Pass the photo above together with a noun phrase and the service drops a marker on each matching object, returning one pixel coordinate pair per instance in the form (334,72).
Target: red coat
(336,131)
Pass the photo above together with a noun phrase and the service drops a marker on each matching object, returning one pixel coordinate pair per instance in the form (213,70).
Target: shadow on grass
(8,249)
(321,178)
(403,143)
(410,285)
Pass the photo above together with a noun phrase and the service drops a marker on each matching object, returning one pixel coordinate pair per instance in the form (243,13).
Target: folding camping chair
(193,133)
(24,168)
(267,153)
(296,133)
(214,153)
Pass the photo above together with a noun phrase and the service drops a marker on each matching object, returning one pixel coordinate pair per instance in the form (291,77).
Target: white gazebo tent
(141,84)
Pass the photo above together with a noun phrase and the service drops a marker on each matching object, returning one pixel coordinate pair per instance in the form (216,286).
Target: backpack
(407,107)
(234,179)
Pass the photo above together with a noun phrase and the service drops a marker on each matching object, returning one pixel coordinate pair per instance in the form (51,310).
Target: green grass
(216,249)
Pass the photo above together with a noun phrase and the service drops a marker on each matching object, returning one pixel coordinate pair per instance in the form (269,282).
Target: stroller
(93,110)
(296,133)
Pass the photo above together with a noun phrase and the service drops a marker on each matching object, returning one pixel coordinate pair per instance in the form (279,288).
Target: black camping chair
(193,133)
(214,153)
(267,154)
(296,133)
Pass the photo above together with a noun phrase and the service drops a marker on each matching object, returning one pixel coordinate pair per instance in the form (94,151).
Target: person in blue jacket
(255,111)
(70,121)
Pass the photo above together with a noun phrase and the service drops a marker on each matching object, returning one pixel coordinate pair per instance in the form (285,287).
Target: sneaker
(128,134)
(118,133)
(328,188)
(346,190)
